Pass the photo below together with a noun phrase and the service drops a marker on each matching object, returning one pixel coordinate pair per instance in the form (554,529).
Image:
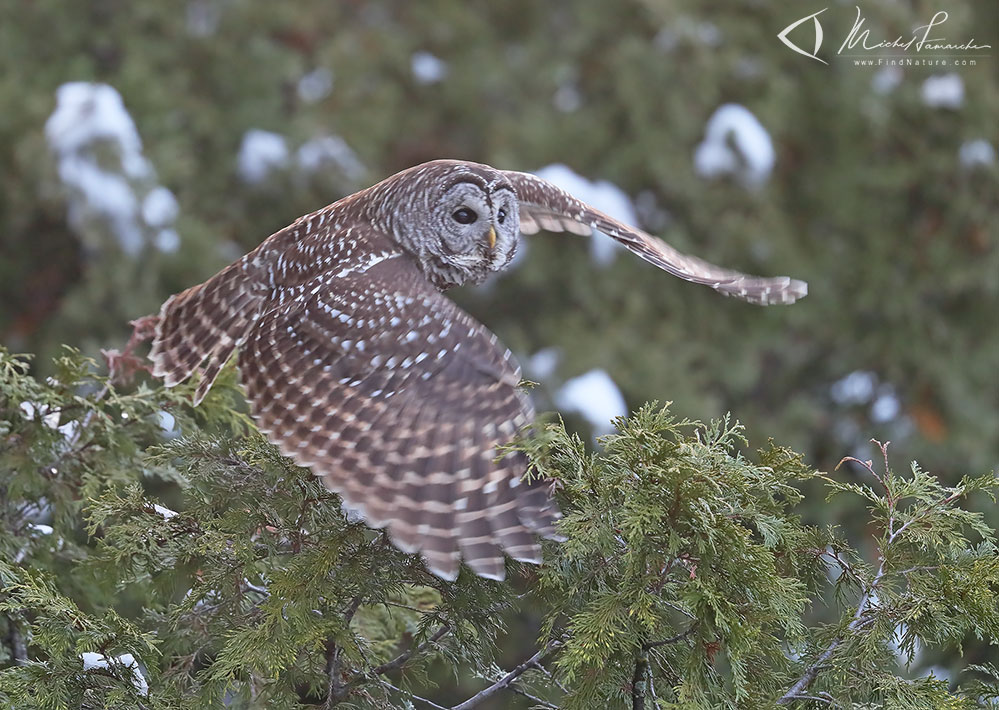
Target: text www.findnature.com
(910,62)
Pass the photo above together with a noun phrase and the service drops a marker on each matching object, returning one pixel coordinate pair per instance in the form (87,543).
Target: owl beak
(492,237)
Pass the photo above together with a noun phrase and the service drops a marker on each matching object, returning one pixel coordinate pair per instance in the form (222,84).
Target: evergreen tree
(161,556)
(885,201)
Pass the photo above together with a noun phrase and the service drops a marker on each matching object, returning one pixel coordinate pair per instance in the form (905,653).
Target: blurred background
(144,145)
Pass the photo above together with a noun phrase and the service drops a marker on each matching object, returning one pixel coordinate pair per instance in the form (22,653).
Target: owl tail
(199,328)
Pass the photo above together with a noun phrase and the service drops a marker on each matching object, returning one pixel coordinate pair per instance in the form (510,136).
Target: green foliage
(868,201)
(248,593)
(673,533)
(687,580)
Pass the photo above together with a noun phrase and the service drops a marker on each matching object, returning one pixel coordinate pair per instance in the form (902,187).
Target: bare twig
(551,677)
(533,698)
(843,565)
(348,614)
(336,688)
(869,466)
(429,703)
(506,680)
(401,659)
(406,606)
(672,639)
(827,701)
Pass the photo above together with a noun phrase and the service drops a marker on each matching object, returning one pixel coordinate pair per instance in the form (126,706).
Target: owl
(357,366)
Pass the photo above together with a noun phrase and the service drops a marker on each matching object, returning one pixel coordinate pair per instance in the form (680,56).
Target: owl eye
(464,216)
(501,216)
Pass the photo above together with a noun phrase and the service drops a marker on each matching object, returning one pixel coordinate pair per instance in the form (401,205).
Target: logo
(926,46)
(818,35)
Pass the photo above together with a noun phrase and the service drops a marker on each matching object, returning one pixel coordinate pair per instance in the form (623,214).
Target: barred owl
(357,366)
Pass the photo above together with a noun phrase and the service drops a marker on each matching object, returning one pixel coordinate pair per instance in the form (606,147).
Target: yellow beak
(492,237)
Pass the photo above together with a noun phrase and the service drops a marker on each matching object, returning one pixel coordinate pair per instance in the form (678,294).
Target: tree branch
(401,659)
(671,639)
(431,703)
(410,607)
(18,648)
(639,682)
(548,674)
(533,698)
(812,672)
(334,686)
(818,698)
(506,680)
(336,689)
(810,675)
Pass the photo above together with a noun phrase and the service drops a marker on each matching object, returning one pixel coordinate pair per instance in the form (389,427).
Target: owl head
(460,220)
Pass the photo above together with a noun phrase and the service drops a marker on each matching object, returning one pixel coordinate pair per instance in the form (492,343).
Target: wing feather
(545,206)
(399,400)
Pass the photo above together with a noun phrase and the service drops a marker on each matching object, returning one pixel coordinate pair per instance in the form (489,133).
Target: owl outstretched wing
(546,206)
(399,400)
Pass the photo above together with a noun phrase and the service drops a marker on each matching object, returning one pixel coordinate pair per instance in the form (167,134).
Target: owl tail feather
(199,328)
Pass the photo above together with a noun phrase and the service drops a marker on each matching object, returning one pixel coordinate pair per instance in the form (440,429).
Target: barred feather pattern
(401,401)
(545,206)
(357,366)
(198,329)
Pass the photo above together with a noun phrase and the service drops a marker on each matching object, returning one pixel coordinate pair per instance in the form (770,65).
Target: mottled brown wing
(398,399)
(198,329)
(545,206)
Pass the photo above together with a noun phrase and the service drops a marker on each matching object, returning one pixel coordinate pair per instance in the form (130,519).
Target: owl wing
(545,206)
(398,399)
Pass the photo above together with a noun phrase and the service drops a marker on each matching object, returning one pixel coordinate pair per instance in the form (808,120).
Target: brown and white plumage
(544,206)
(357,366)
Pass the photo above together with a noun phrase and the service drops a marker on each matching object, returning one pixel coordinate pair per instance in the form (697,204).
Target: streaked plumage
(357,366)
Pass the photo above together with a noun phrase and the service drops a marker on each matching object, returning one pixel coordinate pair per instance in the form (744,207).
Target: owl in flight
(357,366)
